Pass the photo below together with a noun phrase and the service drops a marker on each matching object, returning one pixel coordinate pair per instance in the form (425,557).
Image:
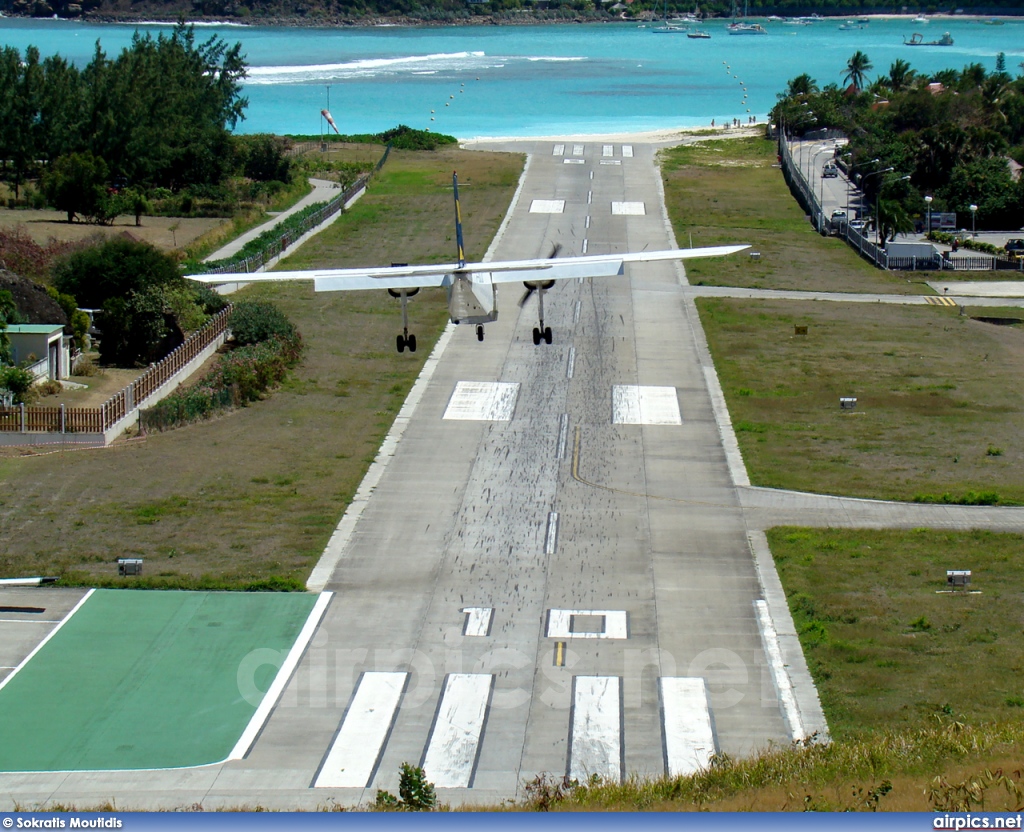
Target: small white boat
(698,34)
(746,29)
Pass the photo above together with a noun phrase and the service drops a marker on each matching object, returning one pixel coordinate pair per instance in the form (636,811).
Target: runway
(552,575)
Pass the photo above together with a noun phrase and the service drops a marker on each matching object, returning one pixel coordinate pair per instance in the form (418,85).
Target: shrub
(255,321)
(18,381)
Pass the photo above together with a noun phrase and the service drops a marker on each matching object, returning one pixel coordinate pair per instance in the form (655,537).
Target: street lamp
(928,222)
(863,179)
(974,213)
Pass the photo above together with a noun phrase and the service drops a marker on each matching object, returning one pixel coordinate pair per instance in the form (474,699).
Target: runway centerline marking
(355,752)
(551,538)
(451,755)
(572,363)
(563,435)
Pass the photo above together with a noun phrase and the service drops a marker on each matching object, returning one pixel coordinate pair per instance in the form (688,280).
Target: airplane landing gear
(479,332)
(405,340)
(541,335)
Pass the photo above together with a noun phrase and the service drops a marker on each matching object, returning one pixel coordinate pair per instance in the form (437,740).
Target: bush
(112,270)
(18,381)
(255,321)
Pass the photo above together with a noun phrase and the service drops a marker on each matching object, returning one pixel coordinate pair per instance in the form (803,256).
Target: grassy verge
(935,415)
(731,191)
(185,500)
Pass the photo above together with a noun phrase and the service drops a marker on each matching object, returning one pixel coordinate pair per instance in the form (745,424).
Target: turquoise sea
(477,81)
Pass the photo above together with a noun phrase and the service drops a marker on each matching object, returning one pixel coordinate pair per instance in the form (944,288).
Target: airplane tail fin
(458,221)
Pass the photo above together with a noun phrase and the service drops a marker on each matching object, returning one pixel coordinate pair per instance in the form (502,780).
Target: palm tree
(801,85)
(857,69)
(900,75)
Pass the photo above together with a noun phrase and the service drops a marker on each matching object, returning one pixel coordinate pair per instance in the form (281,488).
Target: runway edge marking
(284,674)
(335,548)
(811,716)
(46,639)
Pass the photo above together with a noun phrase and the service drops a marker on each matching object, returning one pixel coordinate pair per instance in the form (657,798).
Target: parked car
(829,171)
(859,225)
(1015,249)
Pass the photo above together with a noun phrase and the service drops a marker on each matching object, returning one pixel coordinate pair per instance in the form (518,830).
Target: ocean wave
(366,67)
(405,65)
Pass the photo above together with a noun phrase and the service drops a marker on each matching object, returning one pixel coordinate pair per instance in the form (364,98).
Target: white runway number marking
(356,749)
(489,401)
(596,740)
(637,405)
(450,759)
(689,739)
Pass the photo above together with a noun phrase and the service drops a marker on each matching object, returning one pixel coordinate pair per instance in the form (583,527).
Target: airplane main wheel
(547,335)
(479,333)
(410,342)
(400,343)
(536,336)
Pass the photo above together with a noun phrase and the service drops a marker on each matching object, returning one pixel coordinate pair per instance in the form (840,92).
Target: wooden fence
(24,419)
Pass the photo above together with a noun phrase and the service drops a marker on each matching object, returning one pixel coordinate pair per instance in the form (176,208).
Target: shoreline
(667,136)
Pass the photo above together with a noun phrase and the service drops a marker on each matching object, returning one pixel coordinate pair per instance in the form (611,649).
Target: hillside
(455,12)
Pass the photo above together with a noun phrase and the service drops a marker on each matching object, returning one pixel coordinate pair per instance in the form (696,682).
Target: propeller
(532,287)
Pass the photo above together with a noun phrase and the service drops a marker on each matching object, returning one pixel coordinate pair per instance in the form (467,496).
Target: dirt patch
(166,233)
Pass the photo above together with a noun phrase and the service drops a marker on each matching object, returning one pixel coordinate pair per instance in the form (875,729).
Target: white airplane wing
(509,271)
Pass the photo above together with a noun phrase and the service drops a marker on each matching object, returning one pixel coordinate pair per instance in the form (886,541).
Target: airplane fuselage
(472,298)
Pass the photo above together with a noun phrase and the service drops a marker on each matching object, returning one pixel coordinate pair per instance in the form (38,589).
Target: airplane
(471,287)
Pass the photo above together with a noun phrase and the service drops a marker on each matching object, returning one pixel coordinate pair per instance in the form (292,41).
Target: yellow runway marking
(940,300)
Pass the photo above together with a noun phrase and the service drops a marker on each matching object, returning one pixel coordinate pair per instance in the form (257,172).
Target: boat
(669,28)
(846,27)
(917,39)
(746,29)
(920,19)
(698,34)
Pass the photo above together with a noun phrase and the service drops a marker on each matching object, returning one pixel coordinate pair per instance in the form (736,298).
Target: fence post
(62,417)
(23,418)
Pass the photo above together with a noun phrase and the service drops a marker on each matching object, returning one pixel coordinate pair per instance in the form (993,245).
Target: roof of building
(34,329)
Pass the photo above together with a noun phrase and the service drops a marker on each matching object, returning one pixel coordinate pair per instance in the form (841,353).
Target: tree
(900,75)
(857,69)
(801,85)
(263,158)
(75,184)
(7,313)
(115,268)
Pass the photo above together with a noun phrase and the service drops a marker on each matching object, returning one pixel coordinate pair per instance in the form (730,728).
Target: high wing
(509,271)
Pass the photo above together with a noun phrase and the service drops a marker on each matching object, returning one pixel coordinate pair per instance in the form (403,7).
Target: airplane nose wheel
(542,335)
(479,332)
(406,341)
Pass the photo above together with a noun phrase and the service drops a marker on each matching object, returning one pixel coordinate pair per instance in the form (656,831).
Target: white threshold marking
(547,206)
(633,404)
(573,162)
(627,151)
(616,623)
(783,684)
(355,753)
(686,718)
(628,209)
(489,401)
(577,150)
(576,311)
(17,669)
(610,162)
(291,661)
(572,363)
(559,150)
(551,538)
(478,621)
(451,755)
(606,150)
(595,745)
(563,435)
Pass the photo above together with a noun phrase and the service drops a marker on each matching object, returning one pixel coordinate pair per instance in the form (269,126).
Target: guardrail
(274,248)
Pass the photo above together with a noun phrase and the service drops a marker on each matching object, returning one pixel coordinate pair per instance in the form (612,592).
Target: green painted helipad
(146,680)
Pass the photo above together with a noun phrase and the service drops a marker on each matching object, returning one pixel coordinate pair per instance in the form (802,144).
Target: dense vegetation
(459,11)
(157,116)
(951,132)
